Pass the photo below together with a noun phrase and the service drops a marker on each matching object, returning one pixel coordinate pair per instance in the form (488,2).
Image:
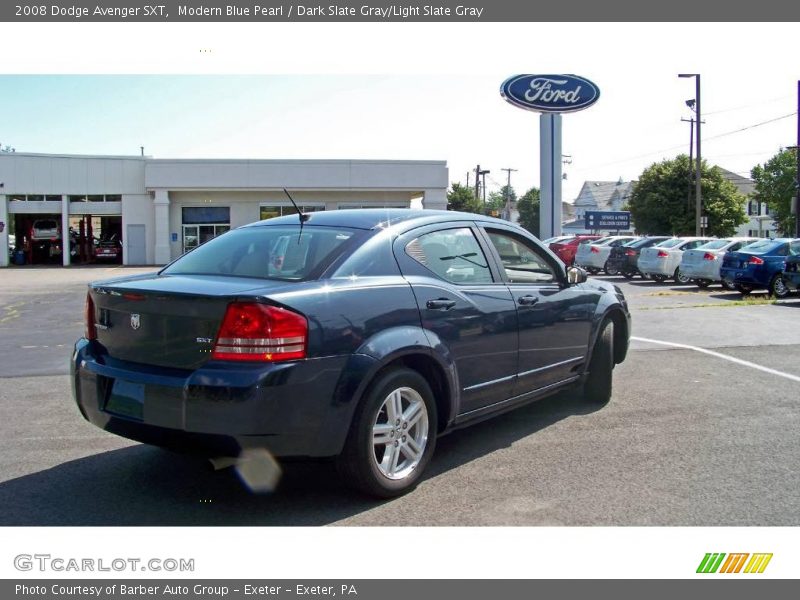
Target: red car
(566,249)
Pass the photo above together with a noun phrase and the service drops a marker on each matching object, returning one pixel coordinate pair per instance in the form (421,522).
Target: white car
(45,229)
(593,256)
(662,261)
(703,263)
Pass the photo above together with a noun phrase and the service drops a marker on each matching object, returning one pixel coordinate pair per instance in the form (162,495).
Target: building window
(113,197)
(270,211)
(345,206)
(52,198)
(752,208)
(203,223)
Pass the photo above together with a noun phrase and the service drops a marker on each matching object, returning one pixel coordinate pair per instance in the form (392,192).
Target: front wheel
(778,287)
(597,387)
(744,290)
(392,437)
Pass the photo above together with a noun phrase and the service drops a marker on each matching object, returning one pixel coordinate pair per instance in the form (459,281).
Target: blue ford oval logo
(550,93)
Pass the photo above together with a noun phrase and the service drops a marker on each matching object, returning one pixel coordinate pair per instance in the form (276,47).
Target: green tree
(775,185)
(659,203)
(496,201)
(528,207)
(462,198)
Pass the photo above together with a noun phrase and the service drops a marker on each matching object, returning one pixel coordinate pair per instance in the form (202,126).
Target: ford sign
(550,93)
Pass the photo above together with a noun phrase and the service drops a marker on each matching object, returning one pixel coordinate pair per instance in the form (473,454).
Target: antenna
(303,217)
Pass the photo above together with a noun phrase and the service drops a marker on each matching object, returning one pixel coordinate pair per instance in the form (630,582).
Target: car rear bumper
(709,270)
(747,276)
(656,267)
(288,408)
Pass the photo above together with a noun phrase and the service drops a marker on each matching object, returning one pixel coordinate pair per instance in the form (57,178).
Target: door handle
(440,304)
(527,300)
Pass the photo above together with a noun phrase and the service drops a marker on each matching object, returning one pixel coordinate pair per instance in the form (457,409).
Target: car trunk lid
(168,321)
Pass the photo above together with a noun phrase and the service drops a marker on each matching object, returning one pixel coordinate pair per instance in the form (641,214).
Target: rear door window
(452,254)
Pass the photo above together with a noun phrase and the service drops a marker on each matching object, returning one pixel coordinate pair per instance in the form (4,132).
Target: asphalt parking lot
(701,430)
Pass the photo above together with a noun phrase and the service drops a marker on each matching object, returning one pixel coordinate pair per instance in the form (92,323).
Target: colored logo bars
(733,563)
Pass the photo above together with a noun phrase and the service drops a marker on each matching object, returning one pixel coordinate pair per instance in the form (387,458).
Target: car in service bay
(374,332)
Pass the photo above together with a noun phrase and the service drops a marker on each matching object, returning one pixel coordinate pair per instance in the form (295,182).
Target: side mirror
(576,275)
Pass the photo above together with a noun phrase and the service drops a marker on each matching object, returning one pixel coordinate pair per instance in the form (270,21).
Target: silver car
(703,263)
(593,256)
(662,261)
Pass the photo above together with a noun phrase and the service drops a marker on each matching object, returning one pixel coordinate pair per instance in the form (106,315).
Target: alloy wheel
(400,433)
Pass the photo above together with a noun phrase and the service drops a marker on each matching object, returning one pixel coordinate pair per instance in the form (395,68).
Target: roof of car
(370,218)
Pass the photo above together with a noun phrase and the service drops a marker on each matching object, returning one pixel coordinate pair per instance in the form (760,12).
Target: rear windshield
(270,252)
(671,243)
(762,246)
(45,225)
(714,245)
(642,243)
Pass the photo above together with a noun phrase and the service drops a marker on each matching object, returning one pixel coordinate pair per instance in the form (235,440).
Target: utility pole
(691,155)
(467,179)
(698,210)
(478,174)
(507,208)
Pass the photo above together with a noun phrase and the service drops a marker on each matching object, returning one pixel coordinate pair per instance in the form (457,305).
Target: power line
(678,146)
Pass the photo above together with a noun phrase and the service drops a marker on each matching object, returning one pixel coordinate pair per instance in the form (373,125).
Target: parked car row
(738,263)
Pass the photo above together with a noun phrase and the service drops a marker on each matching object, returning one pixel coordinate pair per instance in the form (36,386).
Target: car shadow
(143,485)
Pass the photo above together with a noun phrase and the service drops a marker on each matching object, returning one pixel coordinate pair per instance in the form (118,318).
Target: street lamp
(698,209)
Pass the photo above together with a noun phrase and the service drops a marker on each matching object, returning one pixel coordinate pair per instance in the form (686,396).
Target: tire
(364,464)
(597,387)
(628,274)
(609,270)
(778,288)
(728,285)
(658,278)
(743,289)
(702,283)
(680,277)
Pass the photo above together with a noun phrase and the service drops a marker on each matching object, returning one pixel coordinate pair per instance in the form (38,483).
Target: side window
(735,247)
(522,263)
(452,254)
(794,248)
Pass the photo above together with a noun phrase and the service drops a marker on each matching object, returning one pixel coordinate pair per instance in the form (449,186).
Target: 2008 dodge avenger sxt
(360,335)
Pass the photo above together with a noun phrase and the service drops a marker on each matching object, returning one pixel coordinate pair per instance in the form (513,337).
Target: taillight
(90,330)
(595,249)
(709,256)
(258,332)
(630,252)
(754,260)
(663,254)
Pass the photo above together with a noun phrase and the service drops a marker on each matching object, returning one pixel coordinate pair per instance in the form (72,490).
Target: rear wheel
(392,437)
(778,287)
(611,269)
(597,387)
(680,277)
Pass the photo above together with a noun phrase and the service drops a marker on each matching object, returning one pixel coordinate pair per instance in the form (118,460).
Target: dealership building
(157,209)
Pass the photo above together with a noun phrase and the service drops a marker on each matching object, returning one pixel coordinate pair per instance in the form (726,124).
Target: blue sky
(448,117)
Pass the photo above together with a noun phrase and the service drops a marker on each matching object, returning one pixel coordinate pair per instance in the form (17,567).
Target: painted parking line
(733,359)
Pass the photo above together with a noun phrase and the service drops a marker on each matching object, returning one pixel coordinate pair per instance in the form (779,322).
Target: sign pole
(550,175)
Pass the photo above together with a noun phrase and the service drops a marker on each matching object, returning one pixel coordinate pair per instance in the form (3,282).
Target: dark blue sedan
(360,335)
(760,266)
